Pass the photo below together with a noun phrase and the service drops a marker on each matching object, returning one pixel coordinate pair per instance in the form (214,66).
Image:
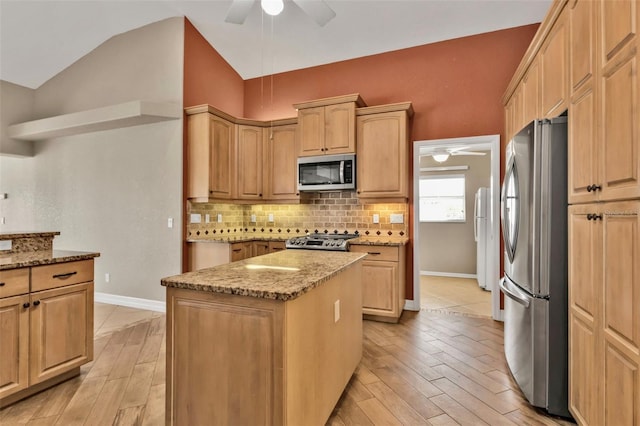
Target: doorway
(447,148)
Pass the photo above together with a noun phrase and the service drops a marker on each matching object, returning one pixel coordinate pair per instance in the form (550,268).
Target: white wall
(110,191)
(16,106)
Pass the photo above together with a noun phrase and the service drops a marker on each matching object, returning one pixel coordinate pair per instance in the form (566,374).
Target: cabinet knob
(26,305)
(593,216)
(36,303)
(1,284)
(259,195)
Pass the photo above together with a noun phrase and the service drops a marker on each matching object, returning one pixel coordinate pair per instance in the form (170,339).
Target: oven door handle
(510,289)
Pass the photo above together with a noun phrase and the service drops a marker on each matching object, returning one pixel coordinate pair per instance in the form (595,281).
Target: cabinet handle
(297,193)
(375,253)
(26,305)
(594,188)
(593,216)
(36,303)
(65,276)
(259,195)
(237,250)
(1,284)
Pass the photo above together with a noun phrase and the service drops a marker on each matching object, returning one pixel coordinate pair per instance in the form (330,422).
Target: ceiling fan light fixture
(272,7)
(440,158)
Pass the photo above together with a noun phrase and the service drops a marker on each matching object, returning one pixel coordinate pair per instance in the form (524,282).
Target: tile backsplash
(329,212)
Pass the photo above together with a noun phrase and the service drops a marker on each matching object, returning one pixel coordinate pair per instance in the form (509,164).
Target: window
(442,198)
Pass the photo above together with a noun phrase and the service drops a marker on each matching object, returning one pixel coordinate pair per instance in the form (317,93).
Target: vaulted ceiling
(38,39)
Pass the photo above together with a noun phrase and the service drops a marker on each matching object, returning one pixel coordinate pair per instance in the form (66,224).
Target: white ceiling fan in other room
(316,9)
(442,154)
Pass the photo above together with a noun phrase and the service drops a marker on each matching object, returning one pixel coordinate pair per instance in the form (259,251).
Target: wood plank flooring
(431,368)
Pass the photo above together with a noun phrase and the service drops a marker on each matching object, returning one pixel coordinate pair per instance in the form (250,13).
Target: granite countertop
(43,257)
(281,276)
(26,234)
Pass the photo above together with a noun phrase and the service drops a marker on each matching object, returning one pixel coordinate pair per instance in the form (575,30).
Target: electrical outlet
(170,222)
(336,311)
(6,244)
(219,217)
(253,218)
(207,218)
(3,220)
(376,218)
(107,277)
(396,218)
(270,217)
(195,218)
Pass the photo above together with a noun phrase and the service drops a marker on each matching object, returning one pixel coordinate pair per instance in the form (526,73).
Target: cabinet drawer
(14,282)
(387,253)
(61,274)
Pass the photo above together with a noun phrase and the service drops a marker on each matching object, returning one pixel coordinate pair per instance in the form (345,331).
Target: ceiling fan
(442,154)
(316,9)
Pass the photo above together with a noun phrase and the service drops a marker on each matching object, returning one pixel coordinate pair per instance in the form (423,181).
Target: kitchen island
(273,339)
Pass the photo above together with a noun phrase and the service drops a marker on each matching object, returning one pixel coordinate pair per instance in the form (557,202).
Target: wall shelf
(111,117)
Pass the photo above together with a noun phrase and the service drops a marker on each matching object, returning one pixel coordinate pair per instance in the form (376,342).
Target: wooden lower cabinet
(61,330)
(383,281)
(275,246)
(260,248)
(238,360)
(240,251)
(46,335)
(208,254)
(604,313)
(14,344)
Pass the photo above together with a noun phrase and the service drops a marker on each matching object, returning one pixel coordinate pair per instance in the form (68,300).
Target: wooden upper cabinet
(280,170)
(582,149)
(210,147)
(327,126)
(619,107)
(581,42)
(249,161)
(553,58)
(383,151)
(531,94)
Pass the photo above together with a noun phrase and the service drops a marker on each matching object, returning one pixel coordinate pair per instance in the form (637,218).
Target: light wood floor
(454,295)
(431,368)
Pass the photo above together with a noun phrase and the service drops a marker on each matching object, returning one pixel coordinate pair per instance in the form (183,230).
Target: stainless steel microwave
(327,172)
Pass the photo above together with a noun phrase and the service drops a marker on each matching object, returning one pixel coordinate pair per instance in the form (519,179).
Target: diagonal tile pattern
(454,295)
(430,368)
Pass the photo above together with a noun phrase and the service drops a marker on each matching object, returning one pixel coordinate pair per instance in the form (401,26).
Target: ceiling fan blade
(238,11)
(466,153)
(317,9)
(457,148)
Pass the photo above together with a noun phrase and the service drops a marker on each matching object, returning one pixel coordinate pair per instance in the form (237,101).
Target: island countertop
(43,257)
(283,275)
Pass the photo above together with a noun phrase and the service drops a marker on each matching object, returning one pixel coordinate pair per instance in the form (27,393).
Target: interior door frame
(493,258)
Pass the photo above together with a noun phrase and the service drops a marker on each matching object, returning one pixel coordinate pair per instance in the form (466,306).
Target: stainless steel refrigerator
(534,227)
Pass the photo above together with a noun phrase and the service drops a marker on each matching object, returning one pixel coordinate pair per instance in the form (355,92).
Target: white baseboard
(130,302)
(448,274)
(411,305)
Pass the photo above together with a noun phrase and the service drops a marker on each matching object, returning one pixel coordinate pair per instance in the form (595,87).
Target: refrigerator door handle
(475,219)
(510,289)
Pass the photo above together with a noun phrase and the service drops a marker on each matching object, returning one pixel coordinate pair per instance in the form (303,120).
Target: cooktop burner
(334,242)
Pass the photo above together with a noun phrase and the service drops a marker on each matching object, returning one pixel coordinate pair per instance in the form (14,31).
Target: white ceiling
(38,39)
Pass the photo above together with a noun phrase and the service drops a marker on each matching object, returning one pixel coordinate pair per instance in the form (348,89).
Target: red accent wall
(208,78)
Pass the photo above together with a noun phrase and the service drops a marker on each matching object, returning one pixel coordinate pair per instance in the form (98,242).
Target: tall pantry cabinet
(603,94)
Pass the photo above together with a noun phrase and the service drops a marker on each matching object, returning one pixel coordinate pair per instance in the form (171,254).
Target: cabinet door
(61,330)
(249,163)
(620,118)
(379,288)
(281,169)
(260,248)
(197,161)
(382,159)
(621,314)
(240,251)
(531,93)
(14,344)
(585,280)
(554,69)
(311,124)
(581,43)
(518,109)
(340,128)
(222,135)
(582,149)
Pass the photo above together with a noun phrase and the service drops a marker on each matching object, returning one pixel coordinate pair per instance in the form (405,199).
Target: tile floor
(110,318)
(454,295)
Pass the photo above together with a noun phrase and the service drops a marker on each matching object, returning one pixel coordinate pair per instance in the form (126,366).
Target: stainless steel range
(333,242)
